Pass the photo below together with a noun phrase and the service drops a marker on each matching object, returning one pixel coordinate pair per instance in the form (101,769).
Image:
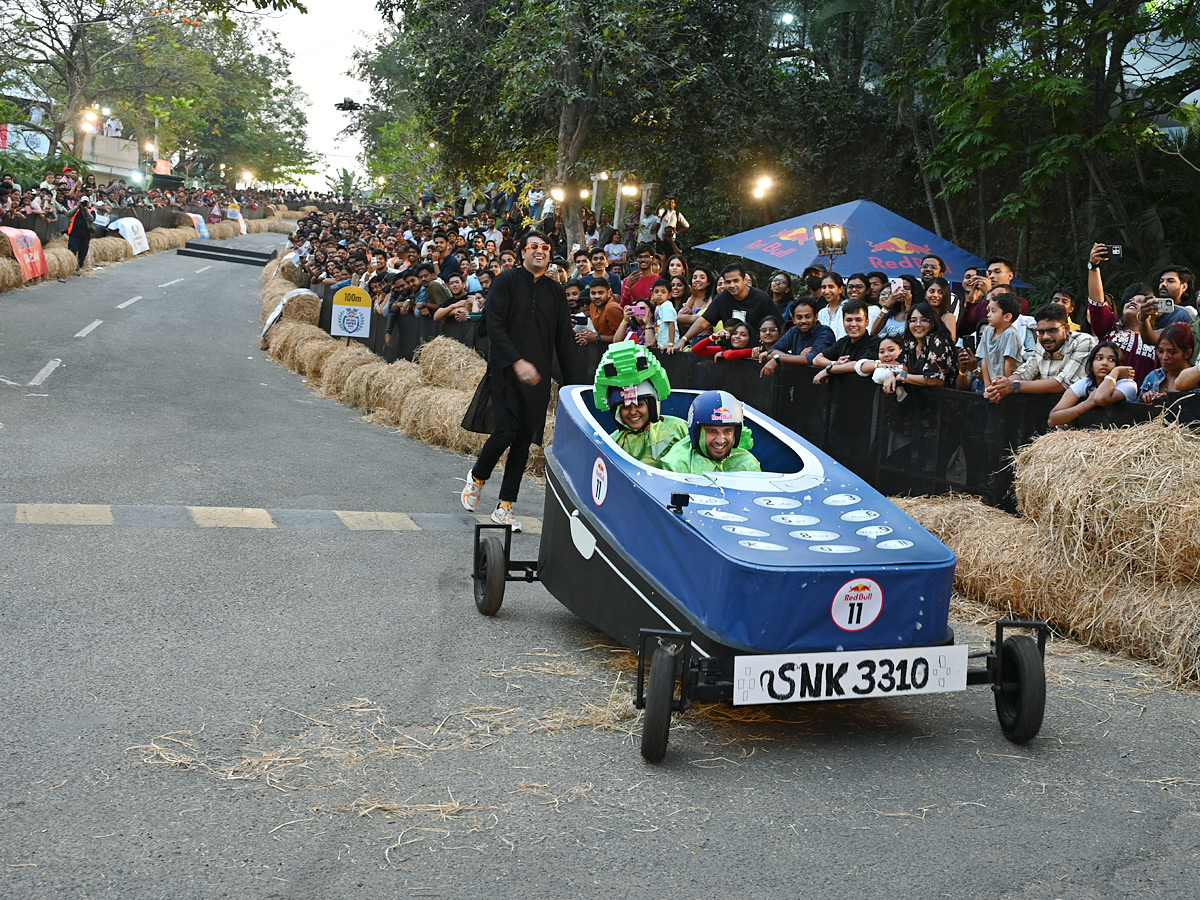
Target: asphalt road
(316,711)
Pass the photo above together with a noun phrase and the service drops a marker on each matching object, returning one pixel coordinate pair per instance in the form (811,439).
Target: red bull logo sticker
(857,604)
(722,414)
(629,395)
(599,481)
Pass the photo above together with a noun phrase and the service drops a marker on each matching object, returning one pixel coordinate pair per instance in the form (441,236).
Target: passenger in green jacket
(631,382)
(714,434)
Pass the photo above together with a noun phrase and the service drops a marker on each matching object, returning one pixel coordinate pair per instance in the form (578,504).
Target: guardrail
(937,441)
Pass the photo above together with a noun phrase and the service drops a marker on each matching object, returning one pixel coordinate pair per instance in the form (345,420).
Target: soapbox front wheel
(1021,688)
(491,568)
(660,693)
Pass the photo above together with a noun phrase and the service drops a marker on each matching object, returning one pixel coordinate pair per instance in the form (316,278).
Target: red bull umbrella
(877,240)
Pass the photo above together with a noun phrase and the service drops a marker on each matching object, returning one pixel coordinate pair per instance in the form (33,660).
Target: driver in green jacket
(632,383)
(714,436)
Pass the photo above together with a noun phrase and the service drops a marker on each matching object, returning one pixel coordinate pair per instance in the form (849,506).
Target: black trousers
(79,246)
(517,444)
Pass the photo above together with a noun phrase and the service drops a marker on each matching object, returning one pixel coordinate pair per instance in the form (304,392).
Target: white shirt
(672,219)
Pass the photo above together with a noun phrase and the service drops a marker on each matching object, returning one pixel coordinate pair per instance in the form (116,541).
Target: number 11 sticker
(857,604)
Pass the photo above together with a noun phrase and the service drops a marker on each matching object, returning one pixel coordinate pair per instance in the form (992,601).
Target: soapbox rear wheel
(493,569)
(1020,689)
(660,693)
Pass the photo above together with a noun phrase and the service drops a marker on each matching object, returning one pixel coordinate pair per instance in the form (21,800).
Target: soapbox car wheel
(492,569)
(1020,689)
(660,693)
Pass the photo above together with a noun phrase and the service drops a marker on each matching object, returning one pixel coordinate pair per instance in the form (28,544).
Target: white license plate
(848,675)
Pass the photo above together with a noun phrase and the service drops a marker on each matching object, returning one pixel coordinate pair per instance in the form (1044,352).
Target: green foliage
(31,171)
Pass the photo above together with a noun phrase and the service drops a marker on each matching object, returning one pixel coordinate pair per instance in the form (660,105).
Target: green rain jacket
(682,458)
(651,444)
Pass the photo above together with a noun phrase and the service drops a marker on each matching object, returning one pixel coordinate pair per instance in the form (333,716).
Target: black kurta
(528,319)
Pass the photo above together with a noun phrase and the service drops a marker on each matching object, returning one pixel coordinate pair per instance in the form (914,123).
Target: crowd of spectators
(59,194)
(908,333)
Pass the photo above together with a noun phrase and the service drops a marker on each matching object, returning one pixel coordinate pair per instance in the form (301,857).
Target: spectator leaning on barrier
(606,315)
(802,343)
(738,301)
(857,345)
(1107,382)
(999,349)
(1059,360)
(1175,348)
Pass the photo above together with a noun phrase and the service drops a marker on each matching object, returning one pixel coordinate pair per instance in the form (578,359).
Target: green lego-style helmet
(625,367)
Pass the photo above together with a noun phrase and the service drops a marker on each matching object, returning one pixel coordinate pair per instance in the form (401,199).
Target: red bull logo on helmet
(723,414)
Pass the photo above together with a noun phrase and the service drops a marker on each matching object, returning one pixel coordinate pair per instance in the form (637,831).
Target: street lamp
(247,177)
(831,241)
(150,148)
(787,18)
(106,111)
(557,194)
(584,193)
(629,190)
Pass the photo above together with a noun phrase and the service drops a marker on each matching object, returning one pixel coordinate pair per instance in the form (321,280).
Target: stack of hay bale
(425,399)
(1104,551)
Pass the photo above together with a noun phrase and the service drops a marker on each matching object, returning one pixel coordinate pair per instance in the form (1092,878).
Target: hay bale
(273,291)
(10,275)
(278,226)
(356,393)
(224,231)
(304,307)
(292,214)
(447,363)
(108,250)
(1117,498)
(390,389)
(256,226)
(6,249)
(308,209)
(339,365)
(62,262)
(157,240)
(1025,571)
(311,354)
(282,341)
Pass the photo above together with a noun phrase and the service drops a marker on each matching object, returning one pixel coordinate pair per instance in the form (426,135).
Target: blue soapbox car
(797,583)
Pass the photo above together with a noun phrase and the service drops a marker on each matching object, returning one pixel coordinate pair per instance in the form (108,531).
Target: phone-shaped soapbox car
(797,583)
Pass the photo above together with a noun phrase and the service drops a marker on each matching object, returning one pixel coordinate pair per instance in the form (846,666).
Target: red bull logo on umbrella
(910,253)
(797,235)
(897,245)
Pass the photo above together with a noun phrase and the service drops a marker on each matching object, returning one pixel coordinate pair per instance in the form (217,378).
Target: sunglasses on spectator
(537,246)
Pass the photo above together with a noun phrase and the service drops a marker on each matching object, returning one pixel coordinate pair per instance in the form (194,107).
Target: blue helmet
(714,408)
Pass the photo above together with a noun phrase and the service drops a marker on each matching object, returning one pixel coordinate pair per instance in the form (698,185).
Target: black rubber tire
(660,692)
(1021,698)
(493,567)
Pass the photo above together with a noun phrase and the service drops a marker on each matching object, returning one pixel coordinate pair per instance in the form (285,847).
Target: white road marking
(129,302)
(205,269)
(90,328)
(169,283)
(6,381)
(45,373)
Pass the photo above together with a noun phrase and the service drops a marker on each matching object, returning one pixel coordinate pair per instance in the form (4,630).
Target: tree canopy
(1023,128)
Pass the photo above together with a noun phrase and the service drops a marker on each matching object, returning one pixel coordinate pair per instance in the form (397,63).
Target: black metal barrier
(935,441)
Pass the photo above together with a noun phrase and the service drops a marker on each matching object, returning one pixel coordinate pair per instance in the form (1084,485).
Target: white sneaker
(504,516)
(470,493)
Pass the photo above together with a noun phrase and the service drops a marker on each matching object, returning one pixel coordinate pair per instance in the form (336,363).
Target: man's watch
(829,369)
(1092,266)
(1016,386)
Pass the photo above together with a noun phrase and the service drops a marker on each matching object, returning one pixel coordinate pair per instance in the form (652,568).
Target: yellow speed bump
(230,517)
(63,514)
(376,521)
